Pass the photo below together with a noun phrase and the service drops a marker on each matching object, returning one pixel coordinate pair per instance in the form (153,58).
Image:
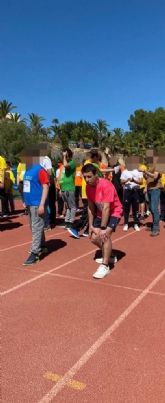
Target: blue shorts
(112,223)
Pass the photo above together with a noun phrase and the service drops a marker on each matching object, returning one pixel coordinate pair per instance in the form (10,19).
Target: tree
(14,137)
(54,126)
(101,130)
(5,108)
(35,123)
(15,117)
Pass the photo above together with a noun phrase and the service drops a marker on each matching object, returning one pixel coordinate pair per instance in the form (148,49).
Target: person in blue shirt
(35,194)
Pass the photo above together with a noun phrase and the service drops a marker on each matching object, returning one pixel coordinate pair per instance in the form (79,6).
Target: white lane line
(85,280)
(47,237)
(44,274)
(26,243)
(102,339)
(56,268)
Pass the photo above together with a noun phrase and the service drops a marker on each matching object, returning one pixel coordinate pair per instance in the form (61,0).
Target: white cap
(46,163)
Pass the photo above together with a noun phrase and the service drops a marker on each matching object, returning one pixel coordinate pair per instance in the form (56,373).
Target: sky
(83,59)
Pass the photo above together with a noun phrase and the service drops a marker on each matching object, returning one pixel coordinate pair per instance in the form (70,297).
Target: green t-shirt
(99,173)
(67,177)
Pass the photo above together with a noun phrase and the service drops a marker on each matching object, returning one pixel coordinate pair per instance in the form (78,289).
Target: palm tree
(35,123)
(55,123)
(15,117)
(101,129)
(5,108)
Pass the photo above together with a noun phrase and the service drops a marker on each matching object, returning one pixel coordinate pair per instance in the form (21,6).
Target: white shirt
(131,175)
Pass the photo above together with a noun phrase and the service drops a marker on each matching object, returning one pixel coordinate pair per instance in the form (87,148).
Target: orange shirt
(78,176)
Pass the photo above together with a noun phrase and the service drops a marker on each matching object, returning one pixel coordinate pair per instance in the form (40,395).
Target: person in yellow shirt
(21,168)
(9,182)
(142,193)
(162,198)
(2,170)
(2,190)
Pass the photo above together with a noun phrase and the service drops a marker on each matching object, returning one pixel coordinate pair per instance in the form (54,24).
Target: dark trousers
(131,199)
(3,202)
(10,202)
(60,203)
(162,205)
(77,195)
(154,200)
(83,221)
(52,204)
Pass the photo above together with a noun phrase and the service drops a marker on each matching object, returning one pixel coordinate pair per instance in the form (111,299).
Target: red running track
(69,338)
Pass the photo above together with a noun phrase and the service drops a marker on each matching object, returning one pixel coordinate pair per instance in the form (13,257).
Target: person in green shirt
(67,186)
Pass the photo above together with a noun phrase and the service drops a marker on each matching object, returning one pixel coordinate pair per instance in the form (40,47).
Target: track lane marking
(26,243)
(17,287)
(102,339)
(72,383)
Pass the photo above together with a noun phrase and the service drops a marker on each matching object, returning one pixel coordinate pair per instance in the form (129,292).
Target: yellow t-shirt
(163,180)
(21,170)
(143,168)
(2,168)
(83,186)
(2,162)
(9,180)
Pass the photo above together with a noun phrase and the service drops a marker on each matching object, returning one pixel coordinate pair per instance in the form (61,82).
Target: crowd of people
(92,188)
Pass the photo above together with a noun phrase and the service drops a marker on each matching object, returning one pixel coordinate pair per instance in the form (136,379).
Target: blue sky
(83,59)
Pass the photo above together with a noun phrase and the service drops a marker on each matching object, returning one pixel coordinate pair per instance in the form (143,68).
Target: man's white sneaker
(125,228)
(136,227)
(112,260)
(101,272)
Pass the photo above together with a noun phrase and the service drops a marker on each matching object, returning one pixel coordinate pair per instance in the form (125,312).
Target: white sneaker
(125,228)
(147,213)
(136,227)
(101,272)
(112,260)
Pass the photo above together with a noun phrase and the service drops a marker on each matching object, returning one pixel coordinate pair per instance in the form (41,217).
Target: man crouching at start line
(105,211)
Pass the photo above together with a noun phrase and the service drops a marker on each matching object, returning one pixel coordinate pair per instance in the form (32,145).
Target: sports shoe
(74,233)
(48,228)
(85,234)
(44,250)
(33,258)
(136,227)
(101,272)
(154,233)
(125,228)
(112,260)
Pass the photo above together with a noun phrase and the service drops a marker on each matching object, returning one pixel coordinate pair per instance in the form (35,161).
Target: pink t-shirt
(104,192)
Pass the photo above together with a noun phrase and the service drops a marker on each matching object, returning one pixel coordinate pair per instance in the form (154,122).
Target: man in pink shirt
(105,211)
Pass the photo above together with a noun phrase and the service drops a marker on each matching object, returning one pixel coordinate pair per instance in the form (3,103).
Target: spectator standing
(153,178)
(162,198)
(9,182)
(2,189)
(78,185)
(131,181)
(67,186)
(60,201)
(21,168)
(35,193)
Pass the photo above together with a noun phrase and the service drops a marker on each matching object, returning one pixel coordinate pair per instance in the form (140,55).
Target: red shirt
(104,192)
(43,177)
